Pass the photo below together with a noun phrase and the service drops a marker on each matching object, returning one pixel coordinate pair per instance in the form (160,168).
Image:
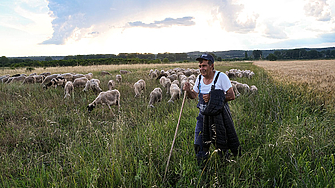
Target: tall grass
(286,134)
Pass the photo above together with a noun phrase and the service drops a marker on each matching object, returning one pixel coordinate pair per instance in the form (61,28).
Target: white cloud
(319,9)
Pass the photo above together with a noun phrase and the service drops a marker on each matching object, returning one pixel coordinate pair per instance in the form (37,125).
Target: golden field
(318,74)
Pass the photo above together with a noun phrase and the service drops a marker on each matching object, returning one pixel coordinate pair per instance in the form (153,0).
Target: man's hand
(206,97)
(190,93)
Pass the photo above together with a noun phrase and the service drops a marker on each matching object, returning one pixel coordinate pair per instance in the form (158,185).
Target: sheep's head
(90,107)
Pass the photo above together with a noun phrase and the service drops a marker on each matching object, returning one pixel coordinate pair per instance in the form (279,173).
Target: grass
(286,134)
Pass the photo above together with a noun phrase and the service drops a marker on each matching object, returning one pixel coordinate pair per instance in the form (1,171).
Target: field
(286,133)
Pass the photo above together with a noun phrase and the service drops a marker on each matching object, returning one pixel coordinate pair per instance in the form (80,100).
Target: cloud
(167,22)
(319,9)
(274,32)
(234,19)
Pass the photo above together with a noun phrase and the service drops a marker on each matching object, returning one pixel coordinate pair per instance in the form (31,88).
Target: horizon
(62,28)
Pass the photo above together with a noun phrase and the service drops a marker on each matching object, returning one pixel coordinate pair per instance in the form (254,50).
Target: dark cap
(206,57)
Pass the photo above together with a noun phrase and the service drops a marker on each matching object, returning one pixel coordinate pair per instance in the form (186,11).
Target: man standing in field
(218,128)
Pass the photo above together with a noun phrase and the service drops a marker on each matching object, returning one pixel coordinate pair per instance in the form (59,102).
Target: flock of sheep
(171,80)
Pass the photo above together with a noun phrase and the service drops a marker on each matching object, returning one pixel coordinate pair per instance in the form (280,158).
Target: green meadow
(286,134)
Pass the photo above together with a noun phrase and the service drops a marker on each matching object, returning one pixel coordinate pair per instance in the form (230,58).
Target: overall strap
(216,79)
(199,85)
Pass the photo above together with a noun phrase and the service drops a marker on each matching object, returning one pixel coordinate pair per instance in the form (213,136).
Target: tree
(257,54)
(48,59)
(245,55)
(272,57)
(165,60)
(4,60)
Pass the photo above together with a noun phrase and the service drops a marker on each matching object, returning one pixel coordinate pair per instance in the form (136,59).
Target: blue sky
(73,27)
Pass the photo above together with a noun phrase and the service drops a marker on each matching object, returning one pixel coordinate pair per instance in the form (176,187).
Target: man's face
(205,68)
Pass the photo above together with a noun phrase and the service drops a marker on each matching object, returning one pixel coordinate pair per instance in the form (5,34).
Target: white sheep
(104,73)
(175,92)
(111,84)
(253,89)
(16,78)
(139,86)
(152,74)
(118,78)
(68,89)
(80,82)
(109,98)
(155,96)
(124,71)
(166,83)
(29,80)
(89,76)
(93,84)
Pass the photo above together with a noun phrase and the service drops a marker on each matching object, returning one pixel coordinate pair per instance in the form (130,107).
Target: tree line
(148,58)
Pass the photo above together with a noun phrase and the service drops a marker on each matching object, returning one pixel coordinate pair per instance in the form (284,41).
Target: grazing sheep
(233,83)
(175,82)
(39,78)
(4,78)
(104,73)
(111,84)
(48,78)
(172,77)
(80,82)
(29,80)
(124,72)
(110,97)
(75,76)
(89,76)
(166,83)
(68,89)
(93,84)
(253,89)
(16,78)
(139,86)
(155,96)
(175,92)
(58,81)
(45,74)
(68,76)
(118,78)
(152,74)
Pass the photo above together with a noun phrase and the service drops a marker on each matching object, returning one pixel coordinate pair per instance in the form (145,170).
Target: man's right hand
(187,86)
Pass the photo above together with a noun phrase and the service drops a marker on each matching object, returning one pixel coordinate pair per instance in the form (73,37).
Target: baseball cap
(206,57)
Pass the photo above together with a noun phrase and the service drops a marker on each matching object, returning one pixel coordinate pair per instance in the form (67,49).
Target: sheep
(175,82)
(155,96)
(118,78)
(166,83)
(80,82)
(75,76)
(175,92)
(110,97)
(237,93)
(68,76)
(124,72)
(68,89)
(139,86)
(172,77)
(253,89)
(104,73)
(111,84)
(45,74)
(152,74)
(29,80)
(39,78)
(89,76)
(93,84)
(48,78)
(16,78)
(58,81)
(4,78)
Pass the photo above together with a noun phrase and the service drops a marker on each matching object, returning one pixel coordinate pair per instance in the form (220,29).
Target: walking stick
(175,135)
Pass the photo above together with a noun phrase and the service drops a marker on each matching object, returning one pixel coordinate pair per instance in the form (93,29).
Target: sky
(81,27)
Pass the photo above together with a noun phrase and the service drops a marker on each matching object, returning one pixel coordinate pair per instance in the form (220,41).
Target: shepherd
(214,122)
